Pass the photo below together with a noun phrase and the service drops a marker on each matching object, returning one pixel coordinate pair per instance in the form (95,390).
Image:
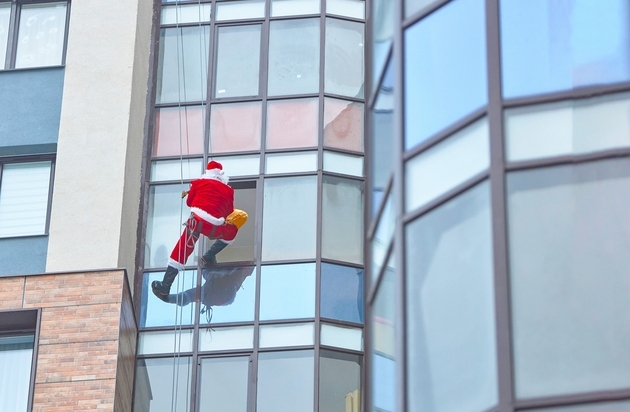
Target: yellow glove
(237,218)
(184,193)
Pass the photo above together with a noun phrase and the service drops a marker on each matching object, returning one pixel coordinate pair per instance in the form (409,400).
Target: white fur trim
(175,264)
(217,221)
(229,242)
(216,174)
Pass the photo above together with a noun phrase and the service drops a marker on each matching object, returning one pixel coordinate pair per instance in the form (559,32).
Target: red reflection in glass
(292,123)
(343,125)
(169,141)
(235,127)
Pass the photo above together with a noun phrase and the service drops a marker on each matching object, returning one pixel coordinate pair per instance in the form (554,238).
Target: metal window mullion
(499,212)
(51,183)
(65,37)
(9,62)
(253,379)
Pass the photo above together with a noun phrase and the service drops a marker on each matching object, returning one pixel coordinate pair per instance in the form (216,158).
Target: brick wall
(87,338)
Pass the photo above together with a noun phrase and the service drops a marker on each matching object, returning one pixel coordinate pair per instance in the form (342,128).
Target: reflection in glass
(568,127)
(301,334)
(442,88)
(339,381)
(223,384)
(384,345)
(412,6)
(24,198)
(285,381)
(242,249)
(382,34)
(349,8)
(162,385)
(182,64)
(342,219)
(344,62)
(341,293)
(292,123)
(617,406)
(291,162)
(219,296)
(342,337)
(289,218)
(179,130)
(154,312)
(343,124)
(287,291)
(186,169)
(547,45)
(185,13)
(382,153)
(431,173)
(5,15)
(235,127)
(167,212)
(41,35)
(240,165)
(342,163)
(450,306)
(569,231)
(235,338)
(165,341)
(383,236)
(294,7)
(238,60)
(293,57)
(242,9)
(16,358)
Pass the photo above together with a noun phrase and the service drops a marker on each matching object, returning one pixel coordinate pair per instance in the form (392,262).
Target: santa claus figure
(211,203)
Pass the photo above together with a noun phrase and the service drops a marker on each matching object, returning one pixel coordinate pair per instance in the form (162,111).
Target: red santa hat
(214,170)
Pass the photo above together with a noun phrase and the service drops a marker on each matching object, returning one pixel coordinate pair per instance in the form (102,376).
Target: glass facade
(498,170)
(274,91)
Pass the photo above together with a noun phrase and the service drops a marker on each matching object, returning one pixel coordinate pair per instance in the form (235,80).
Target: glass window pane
(341,293)
(293,7)
(242,249)
(185,13)
(16,358)
(343,124)
(383,236)
(344,58)
(5,15)
(238,61)
(154,312)
(290,218)
(350,8)
(342,337)
(569,127)
(167,341)
(179,131)
(382,141)
(382,34)
(339,382)
(447,165)
(442,88)
(291,162)
(618,406)
(292,123)
(293,57)
(413,6)
(569,230)
(287,335)
(278,371)
(182,64)
(223,386)
(235,127)
(242,9)
(342,219)
(548,45)
(24,192)
(228,293)
(384,345)
(450,306)
(213,339)
(41,35)
(344,164)
(240,165)
(176,169)
(162,384)
(166,215)
(287,291)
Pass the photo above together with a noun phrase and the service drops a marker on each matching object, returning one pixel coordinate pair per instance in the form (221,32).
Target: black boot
(210,257)
(162,289)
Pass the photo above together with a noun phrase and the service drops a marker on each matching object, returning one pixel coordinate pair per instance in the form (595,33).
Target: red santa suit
(210,200)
